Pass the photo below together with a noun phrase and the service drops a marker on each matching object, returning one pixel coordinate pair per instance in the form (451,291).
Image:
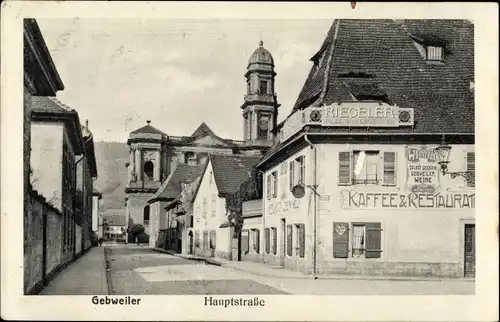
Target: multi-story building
(154,155)
(41,79)
(374,169)
(211,232)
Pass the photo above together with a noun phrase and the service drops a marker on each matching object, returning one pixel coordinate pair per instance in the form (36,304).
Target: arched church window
(263,128)
(263,87)
(149,168)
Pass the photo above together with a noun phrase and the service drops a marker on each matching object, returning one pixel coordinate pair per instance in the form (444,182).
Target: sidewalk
(261,269)
(85,276)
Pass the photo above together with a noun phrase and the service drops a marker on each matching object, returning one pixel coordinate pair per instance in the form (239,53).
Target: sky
(177,73)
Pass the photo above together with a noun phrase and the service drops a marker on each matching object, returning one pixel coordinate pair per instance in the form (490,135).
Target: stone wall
(40,215)
(33,242)
(54,241)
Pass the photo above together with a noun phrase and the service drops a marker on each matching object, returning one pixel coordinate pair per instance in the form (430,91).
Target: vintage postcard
(249,161)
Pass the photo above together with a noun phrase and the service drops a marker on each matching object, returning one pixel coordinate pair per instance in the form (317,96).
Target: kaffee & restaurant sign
(350,199)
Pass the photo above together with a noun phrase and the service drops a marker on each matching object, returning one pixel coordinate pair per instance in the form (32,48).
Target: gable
(210,140)
(207,185)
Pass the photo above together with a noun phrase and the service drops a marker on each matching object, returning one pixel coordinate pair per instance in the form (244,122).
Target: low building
(358,182)
(115,227)
(221,177)
(162,207)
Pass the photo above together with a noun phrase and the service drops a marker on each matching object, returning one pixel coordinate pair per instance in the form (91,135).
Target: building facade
(211,233)
(355,184)
(40,79)
(154,155)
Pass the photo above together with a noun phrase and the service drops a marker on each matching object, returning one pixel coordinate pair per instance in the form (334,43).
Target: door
(190,242)
(283,242)
(470,250)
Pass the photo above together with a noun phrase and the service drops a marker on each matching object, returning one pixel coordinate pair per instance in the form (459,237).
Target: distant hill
(111,158)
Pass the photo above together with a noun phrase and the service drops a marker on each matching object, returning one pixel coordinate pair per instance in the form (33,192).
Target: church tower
(260,108)
(147,169)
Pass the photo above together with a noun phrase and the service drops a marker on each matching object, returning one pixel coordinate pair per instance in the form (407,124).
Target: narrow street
(141,270)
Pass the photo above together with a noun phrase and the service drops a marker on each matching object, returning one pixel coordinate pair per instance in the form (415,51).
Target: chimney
(87,124)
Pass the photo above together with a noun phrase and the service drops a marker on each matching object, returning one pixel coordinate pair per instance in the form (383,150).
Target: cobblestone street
(141,270)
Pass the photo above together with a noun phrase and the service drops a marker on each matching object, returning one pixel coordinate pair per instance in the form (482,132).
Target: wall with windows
(388,208)
(382,209)
(252,231)
(209,212)
(289,220)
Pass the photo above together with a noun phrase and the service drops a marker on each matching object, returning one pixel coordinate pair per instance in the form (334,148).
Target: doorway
(283,242)
(470,250)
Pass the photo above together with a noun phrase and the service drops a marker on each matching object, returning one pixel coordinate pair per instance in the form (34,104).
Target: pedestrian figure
(137,240)
(100,242)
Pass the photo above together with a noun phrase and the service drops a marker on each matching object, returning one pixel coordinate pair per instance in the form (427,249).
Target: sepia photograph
(238,158)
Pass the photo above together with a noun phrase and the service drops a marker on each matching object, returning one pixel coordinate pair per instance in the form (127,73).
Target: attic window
(432,48)
(434,53)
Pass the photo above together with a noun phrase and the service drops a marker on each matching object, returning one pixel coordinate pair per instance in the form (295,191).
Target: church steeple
(260,107)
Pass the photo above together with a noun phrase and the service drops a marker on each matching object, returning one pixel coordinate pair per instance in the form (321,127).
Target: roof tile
(230,171)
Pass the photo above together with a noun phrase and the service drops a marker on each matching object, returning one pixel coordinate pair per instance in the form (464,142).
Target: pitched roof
(171,188)
(46,104)
(367,57)
(45,108)
(148,129)
(231,170)
(203,129)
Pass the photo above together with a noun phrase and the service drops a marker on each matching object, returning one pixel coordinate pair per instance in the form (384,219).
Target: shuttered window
(212,239)
(274,182)
(340,239)
(345,168)
(275,240)
(300,240)
(268,187)
(205,239)
(390,168)
(291,175)
(197,239)
(245,240)
(471,166)
(255,240)
(214,198)
(373,240)
(267,238)
(289,245)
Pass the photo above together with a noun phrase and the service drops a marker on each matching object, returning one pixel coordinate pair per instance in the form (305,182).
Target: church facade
(154,155)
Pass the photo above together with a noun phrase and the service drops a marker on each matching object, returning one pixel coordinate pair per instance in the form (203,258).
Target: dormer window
(435,53)
(432,48)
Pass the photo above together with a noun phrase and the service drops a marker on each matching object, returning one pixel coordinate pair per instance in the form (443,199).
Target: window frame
(366,181)
(441,51)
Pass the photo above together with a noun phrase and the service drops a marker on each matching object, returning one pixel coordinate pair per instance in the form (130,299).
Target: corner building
(361,142)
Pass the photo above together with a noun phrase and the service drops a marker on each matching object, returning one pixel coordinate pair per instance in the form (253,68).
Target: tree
(251,189)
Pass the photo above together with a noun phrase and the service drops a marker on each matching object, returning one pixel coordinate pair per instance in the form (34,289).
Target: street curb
(214,262)
(195,258)
(109,282)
